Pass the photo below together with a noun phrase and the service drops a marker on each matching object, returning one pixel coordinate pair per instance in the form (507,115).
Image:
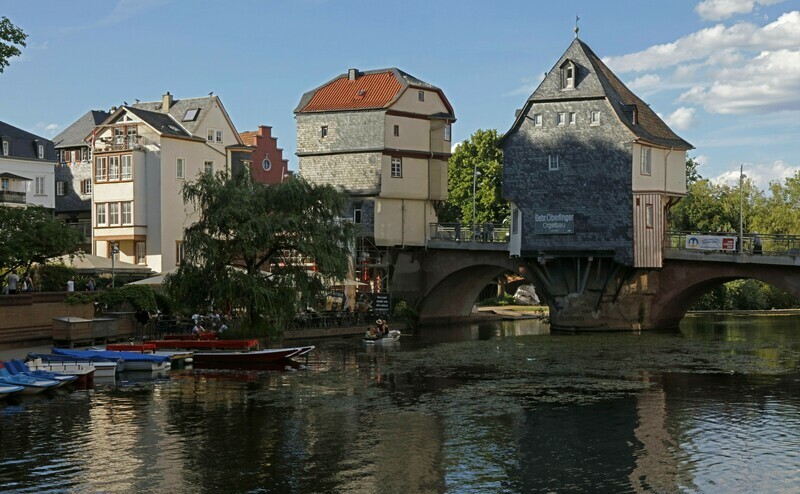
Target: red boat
(130,347)
(205,344)
(247,359)
(210,335)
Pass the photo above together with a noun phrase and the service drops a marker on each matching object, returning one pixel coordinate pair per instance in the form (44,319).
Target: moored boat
(130,361)
(251,358)
(101,368)
(18,367)
(7,390)
(30,385)
(205,344)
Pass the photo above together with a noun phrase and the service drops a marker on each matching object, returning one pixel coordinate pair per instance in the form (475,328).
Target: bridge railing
(465,232)
(772,244)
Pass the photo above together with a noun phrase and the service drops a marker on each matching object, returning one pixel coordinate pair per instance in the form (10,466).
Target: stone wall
(346,131)
(355,173)
(28,318)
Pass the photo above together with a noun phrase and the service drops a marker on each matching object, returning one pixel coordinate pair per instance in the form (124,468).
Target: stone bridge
(583,292)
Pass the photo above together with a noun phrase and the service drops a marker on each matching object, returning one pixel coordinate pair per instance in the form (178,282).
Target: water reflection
(488,407)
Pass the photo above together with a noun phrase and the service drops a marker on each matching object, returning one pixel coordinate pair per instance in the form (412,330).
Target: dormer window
(568,72)
(5,148)
(40,148)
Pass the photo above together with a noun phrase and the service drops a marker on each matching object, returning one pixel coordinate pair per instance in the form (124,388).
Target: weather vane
(576,25)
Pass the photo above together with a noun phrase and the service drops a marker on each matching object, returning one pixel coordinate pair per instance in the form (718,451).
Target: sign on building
(553,223)
(711,242)
(382,303)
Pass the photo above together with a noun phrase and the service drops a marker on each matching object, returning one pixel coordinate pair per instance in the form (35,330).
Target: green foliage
(11,37)
(404,313)
(244,230)
(480,153)
(504,299)
(137,296)
(745,295)
(54,277)
(31,235)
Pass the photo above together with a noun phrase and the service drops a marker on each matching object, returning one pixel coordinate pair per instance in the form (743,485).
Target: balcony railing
(465,232)
(774,245)
(11,196)
(110,144)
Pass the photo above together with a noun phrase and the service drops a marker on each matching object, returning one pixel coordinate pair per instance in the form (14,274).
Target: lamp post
(742,176)
(114,252)
(475,174)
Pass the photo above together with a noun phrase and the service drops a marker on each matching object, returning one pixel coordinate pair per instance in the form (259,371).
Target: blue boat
(7,390)
(130,360)
(31,385)
(18,367)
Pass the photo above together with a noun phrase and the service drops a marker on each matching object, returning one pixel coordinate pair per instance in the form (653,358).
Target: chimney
(166,102)
(352,74)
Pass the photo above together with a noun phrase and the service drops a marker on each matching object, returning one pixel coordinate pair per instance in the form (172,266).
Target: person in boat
(379,327)
(371,333)
(197,329)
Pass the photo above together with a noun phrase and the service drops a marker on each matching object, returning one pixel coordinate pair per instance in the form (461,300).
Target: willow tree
(253,247)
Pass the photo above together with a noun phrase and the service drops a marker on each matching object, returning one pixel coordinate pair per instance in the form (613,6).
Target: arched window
(266,165)
(568,74)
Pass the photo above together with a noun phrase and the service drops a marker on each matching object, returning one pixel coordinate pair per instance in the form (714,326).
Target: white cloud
(455,146)
(644,83)
(48,129)
(761,174)
(527,87)
(716,10)
(682,118)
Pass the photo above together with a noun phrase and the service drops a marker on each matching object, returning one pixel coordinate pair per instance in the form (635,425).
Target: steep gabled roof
(23,144)
(179,108)
(373,89)
(595,80)
(164,123)
(75,134)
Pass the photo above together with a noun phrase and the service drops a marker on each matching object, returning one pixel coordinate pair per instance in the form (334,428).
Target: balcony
(12,197)
(110,145)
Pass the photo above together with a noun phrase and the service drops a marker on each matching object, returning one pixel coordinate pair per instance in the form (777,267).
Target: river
(482,408)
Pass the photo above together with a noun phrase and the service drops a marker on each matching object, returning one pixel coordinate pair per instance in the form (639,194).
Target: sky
(724,74)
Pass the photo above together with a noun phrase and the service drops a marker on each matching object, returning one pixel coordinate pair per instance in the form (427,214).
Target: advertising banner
(553,223)
(711,242)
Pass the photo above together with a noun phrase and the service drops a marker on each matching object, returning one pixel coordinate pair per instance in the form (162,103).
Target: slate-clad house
(382,136)
(589,168)
(73,173)
(27,164)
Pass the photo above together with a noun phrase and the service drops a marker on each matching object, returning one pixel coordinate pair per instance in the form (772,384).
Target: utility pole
(742,176)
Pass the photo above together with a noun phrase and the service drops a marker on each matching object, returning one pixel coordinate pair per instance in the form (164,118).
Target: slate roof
(162,122)
(178,110)
(75,134)
(23,144)
(372,89)
(595,80)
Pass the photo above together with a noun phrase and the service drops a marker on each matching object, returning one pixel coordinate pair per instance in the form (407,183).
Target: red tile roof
(375,90)
(248,137)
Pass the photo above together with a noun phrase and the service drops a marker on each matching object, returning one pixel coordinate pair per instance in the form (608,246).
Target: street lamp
(742,176)
(114,252)
(475,174)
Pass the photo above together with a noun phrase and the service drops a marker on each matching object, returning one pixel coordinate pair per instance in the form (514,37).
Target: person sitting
(379,326)
(197,330)
(371,333)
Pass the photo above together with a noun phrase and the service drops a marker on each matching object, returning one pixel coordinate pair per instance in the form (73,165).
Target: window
(537,119)
(5,148)
(127,167)
(595,118)
(191,114)
(41,151)
(397,131)
(266,165)
(515,222)
(119,135)
(61,188)
(127,213)
(421,95)
(113,167)
(572,118)
(568,75)
(39,186)
(180,168)
(219,135)
(645,161)
(210,135)
(448,132)
(553,162)
(397,167)
(357,213)
(4,184)
(84,154)
(86,186)
(132,137)
(101,213)
(648,215)
(100,170)
(141,253)
(323,131)
(208,166)
(179,252)
(113,213)
(561,118)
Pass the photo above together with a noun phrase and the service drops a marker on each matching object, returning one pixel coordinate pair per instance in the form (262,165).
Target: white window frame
(594,117)
(561,118)
(266,165)
(537,119)
(645,161)
(218,136)
(180,169)
(323,132)
(40,148)
(5,184)
(86,186)
(208,166)
(39,187)
(568,73)
(84,154)
(210,135)
(553,163)
(114,214)
(180,253)
(61,188)
(127,216)
(649,218)
(100,214)
(113,168)
(572,118)
(448,132)
(100,169)
(396,167)
(141,252)
(357,212)
(421,96)
(126,170)
(5,148)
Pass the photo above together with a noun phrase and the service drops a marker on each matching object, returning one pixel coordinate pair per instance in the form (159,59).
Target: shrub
(405,314)
(54,277)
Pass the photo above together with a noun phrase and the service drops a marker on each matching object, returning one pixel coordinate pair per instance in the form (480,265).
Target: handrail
(466,232)
(771,244)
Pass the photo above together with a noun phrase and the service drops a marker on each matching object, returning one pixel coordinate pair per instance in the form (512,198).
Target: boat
(208,335)
(31,385)
(389,337)
(303,350)
(250,358)
(7,390)
(103,368)
(18,367)
(130,347)
(205,344)
(130,361)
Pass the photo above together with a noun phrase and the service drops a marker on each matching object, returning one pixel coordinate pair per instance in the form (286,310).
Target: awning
(91,264)
(14,177)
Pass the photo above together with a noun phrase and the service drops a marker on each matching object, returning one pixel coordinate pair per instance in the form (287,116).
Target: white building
(143,154)
(27,168)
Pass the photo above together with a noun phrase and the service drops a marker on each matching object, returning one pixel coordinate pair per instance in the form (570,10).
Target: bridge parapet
(770,245)
(469,237)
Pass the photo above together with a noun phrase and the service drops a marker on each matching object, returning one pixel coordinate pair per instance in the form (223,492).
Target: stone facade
(346,132)
(355,173)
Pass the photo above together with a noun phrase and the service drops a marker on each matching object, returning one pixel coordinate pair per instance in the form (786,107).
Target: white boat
(101,369)
(389,337)
(7,390)
(31,385)
(126,361)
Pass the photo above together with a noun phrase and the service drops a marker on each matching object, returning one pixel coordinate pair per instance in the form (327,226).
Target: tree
(480,153)
(254,246)
(31,235)
(10,37)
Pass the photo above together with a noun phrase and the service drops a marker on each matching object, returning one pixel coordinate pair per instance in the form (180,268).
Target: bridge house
(589,168)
